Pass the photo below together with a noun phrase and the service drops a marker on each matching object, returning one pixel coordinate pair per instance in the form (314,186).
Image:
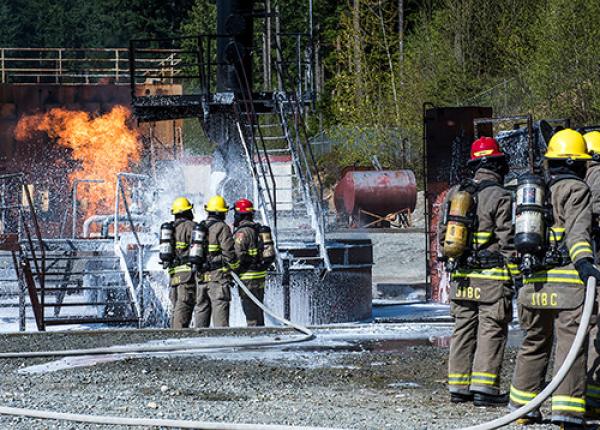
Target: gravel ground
(368,384)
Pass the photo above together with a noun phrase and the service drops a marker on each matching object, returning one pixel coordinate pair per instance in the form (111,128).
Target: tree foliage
(538,56)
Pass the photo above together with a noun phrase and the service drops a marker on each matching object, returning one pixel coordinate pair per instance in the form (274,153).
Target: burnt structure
(252,127)
(36,80)
(448,135)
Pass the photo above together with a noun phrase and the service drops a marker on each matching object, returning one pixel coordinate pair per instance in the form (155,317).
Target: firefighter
(592,178)
(213,295)
(183,286)
(481,287)
(250,251)
(551,299)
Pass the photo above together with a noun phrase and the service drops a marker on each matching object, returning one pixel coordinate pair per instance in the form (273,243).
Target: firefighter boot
(530,419)
(491,400)
(461,398)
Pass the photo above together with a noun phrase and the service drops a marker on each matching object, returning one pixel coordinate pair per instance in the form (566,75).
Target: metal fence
(87,66)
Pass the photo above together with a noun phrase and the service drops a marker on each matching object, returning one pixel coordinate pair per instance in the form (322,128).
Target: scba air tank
(530,224)
(197,255)
(166,246)
(268,246)
(457,227)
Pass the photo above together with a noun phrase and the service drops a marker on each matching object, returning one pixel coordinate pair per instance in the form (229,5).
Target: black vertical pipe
(235,29)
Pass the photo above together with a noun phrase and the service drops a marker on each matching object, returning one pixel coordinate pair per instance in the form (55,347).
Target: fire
(103,145)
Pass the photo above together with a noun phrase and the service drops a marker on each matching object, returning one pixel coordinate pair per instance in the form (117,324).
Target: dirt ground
(387,380)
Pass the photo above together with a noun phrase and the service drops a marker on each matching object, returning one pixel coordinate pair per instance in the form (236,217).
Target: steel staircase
(290,200)
(57,281)
(80,287)
(84,286)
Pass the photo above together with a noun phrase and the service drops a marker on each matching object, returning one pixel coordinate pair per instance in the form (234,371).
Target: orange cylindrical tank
(377,191)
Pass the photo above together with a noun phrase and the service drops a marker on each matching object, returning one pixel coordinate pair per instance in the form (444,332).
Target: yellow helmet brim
(553,156)
(212,209)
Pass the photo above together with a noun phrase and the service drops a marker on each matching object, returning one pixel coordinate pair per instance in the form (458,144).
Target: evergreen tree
(9,27)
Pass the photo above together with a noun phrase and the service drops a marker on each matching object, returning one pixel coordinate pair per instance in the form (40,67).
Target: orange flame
(103,145)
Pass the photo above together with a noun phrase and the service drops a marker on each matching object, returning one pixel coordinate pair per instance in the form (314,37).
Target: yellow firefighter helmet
(181,204)
(592,140)
(567,144)
(216,204)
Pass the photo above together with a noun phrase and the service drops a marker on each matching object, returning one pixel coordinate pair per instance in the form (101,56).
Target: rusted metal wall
(449,133)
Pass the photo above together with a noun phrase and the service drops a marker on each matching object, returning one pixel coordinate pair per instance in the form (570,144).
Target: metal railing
(20,200)
(74,206)
(79,66)
(197,62)
(137,296)
(302,154)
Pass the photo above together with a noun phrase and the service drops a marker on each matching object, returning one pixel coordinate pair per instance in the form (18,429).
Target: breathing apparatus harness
(461,221)
(197,247)
(211,262)
(538,246)
(265,247)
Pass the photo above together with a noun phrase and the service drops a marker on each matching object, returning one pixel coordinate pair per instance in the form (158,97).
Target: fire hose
(578,342)
(114,420)
(140,349)
(124,421)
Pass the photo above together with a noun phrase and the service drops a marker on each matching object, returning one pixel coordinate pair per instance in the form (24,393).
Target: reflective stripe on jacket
(221,254)
(555,276)
(572,212)
(494,228)
(182,273)
(247,251)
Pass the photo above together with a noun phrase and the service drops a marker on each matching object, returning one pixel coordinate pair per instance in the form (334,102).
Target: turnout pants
(254,315)
(568,401)
(477,345)
(212,300)
(593,365)
(183,299)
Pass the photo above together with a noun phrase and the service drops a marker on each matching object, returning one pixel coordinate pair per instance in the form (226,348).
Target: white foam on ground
(324,351)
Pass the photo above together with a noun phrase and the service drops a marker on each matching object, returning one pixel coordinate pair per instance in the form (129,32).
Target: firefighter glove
(586,269)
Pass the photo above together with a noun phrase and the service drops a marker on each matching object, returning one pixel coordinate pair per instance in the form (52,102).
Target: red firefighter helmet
(485,147)
(244,206)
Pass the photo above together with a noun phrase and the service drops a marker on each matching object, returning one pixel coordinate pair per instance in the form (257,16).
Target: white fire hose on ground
(114,420)
(140,349)
(147,422)
(578,343)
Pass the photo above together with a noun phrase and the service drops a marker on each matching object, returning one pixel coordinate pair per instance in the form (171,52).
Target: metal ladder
(288,196)
(290,106)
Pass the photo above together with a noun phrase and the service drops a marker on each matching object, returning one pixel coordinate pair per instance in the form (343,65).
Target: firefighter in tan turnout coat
(214,295)
(183,285)
(592,178)
(550,302)
(481,287)
(255,255)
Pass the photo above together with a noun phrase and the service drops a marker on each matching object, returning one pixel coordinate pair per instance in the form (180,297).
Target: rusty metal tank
(380,192)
